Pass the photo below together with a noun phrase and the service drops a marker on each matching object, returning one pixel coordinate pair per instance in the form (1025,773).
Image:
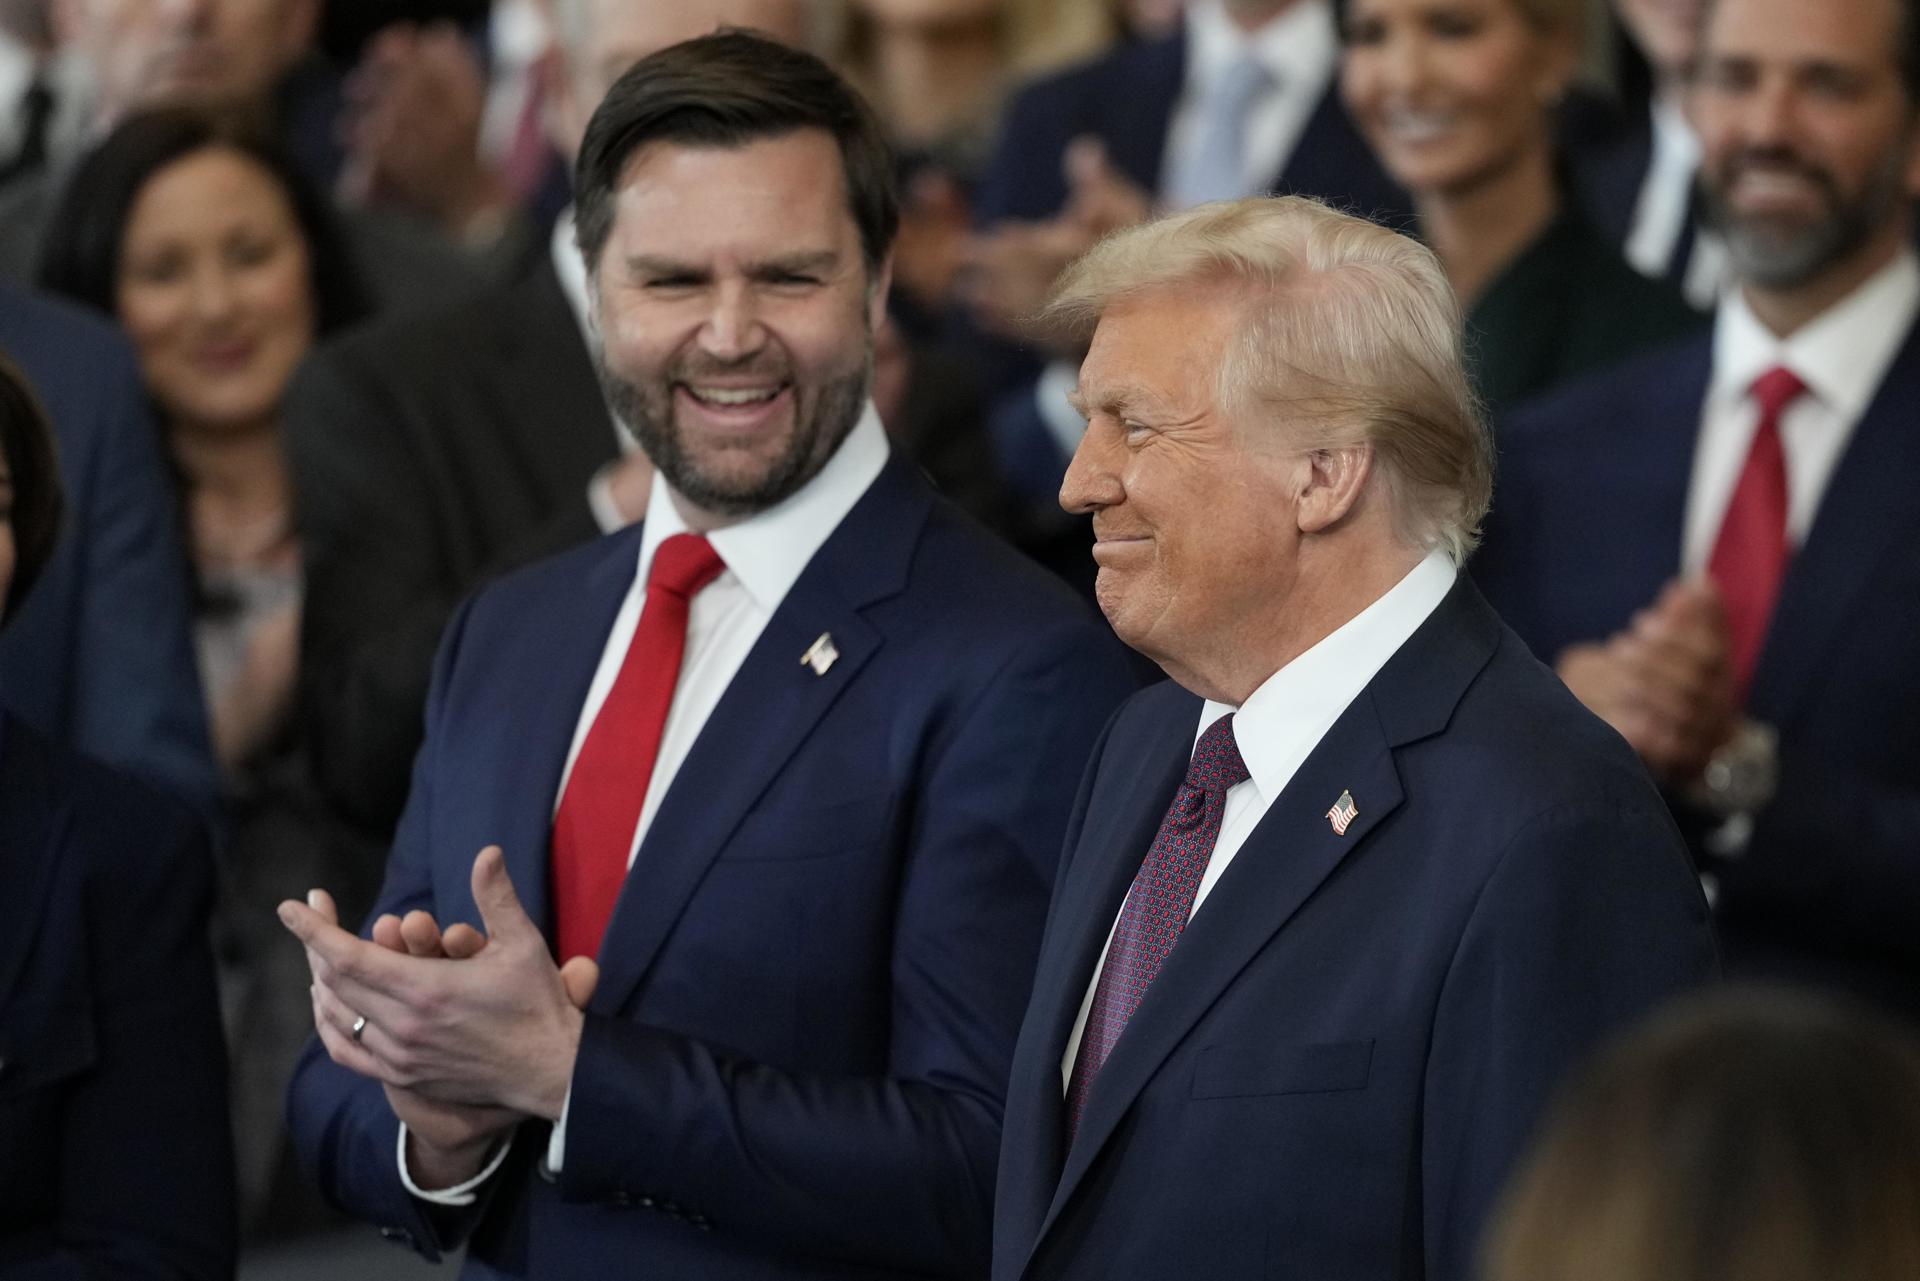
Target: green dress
(1568,305)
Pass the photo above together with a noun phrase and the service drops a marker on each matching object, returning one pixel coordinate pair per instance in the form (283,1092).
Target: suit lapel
(30,828)
(767,712)
(1286,858)
(1830,575)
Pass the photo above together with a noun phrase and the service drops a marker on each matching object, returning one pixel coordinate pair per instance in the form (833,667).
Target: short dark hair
(726,90)
(81,255)
(26,444)
(1906,49)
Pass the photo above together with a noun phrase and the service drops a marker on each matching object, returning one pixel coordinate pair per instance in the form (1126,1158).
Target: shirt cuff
(606,513)
(460,1194)
(1064,424)
(557,1140)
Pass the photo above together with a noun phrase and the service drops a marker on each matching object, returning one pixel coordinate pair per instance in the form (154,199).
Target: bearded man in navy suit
(780,775)
(1343,900)
(1713,543)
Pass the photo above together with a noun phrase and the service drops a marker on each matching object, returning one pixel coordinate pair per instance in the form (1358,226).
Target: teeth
(733,395)
(1418,127)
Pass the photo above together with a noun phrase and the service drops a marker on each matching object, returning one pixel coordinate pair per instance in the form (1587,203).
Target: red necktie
(1750,555)
(1157,906)
(600,809)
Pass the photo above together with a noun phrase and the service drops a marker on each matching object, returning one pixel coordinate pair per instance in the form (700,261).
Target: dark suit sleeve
(135,696)
(146,1170)
(1837,854)
(1591,919)
(381,583)
(895,1170)
(342,1128)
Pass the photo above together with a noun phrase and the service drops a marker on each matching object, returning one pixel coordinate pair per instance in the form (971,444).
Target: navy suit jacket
(1586,529)
(1347,1048)
(1126,99)
(101,655)
(794,1062)
(115,1158)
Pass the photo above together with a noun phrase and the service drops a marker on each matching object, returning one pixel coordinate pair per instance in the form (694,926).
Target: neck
(1783,311)
(931,77)
(1338,577)
(233,477)
(1479,230)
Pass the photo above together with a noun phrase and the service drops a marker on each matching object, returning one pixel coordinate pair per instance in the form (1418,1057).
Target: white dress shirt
(1300,48)
(1660,213)
(70,78)
(1842,355)
(764,555)
(1281,723)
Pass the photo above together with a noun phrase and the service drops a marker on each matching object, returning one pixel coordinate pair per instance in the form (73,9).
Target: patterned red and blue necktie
(1157,906)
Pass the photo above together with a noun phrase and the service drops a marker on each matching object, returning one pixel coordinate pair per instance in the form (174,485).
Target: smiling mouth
(731,397)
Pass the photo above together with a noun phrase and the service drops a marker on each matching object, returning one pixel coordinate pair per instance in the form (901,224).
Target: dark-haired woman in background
(115,1158)
(1457,98)
(223,267)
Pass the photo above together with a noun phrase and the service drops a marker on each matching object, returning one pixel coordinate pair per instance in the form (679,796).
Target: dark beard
(647,412)
(1786,257)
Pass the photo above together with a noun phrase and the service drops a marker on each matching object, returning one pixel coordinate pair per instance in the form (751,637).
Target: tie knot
(1216,764)
(1776,389)
(1243,80)
(683,564)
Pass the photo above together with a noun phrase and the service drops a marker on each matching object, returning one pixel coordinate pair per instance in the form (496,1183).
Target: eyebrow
(821,260)
(1118,401)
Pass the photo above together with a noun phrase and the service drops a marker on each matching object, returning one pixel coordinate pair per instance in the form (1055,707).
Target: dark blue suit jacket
(115,1158)
(794,1063)
(1347,1048)
(101,655)
(1586,529)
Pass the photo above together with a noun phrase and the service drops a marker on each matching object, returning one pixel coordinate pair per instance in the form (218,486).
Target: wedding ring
(359,1026)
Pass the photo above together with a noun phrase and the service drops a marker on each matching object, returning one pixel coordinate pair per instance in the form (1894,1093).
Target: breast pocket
(42,1043)
(788,832)
(1281,1067)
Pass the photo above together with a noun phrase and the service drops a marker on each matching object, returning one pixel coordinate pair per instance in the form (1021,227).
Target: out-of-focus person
(1457,98)
(432,454)
(1636,174)
(247,58)
(1712,542)
(1345,898)
(223,266)
(114,1144)
(45,91)
(1749,1135)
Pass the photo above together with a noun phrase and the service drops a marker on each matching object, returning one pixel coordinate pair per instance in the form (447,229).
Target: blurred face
(736,316)
(1450,93)
(1664,30)
(600,39)
(1807,135)
(1195,528)
(216,291)
(150,53)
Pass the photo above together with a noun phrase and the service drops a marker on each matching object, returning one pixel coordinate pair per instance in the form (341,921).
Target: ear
(877,290)
(1332,481)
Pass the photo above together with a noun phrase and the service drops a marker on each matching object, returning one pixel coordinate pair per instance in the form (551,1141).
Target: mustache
(696,369)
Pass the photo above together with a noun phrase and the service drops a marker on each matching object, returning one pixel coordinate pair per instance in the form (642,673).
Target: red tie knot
(1216,764)
(1774,390)
(682,565)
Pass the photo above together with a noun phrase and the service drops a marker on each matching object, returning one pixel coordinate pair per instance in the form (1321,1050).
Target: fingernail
(313,899)
(285,913)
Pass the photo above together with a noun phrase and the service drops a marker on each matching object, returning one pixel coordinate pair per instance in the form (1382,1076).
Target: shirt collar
(768,550)
(1674,141)
(1283,720)
(1298,46)
(1842,355)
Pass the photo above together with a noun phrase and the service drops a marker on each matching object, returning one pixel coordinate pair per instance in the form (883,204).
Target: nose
(733,329)
(1092,483)
(1401,63)
(1767,114)
(214,294)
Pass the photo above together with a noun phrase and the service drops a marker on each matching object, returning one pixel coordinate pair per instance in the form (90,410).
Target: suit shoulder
(37,327)
(453,333)
(968,574)
(1618,394)
(1081,80)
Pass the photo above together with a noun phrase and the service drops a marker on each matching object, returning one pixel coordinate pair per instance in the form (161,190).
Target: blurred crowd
(296,287)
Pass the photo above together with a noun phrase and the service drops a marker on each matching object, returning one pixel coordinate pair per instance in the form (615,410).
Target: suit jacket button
(622,1197)
(645,1202)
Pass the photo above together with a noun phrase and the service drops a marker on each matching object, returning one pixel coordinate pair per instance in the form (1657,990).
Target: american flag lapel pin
(1343,813)
(820,655)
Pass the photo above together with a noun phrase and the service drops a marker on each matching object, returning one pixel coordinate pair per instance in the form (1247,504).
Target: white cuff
(606,513)
(460,1194)
(557,1140)
(1050,392)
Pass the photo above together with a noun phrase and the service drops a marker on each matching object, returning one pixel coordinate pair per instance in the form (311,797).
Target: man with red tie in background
(1715,544)
(790,762)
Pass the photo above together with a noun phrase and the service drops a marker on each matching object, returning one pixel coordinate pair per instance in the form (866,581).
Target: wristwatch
(1742,773)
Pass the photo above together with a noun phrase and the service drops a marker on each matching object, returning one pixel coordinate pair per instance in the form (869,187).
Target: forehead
(1854,33)
(1164,345)
(207,191)
(608,36)
(781,192)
